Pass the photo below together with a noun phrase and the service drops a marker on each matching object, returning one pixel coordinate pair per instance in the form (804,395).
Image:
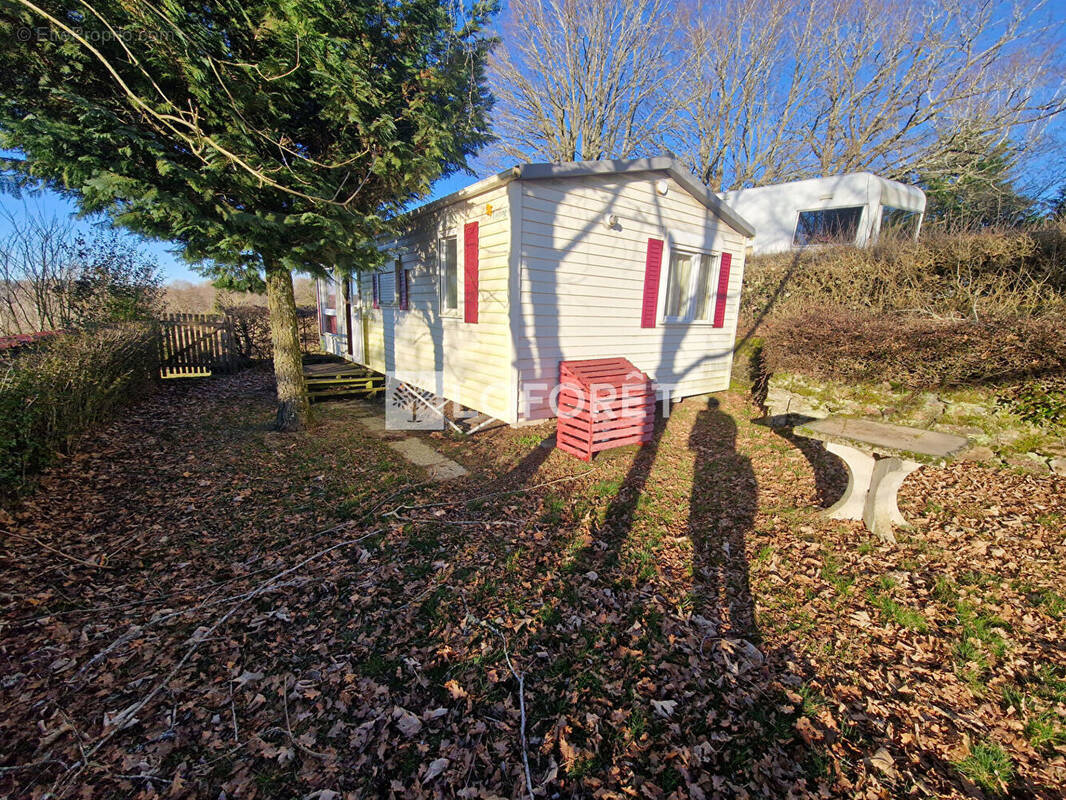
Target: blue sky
(174,268)
(48,204)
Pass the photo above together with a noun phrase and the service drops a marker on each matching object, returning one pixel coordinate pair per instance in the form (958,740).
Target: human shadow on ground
(722,505)
(690,631)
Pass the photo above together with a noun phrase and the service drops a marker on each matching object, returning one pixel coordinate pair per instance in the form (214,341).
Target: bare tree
(779,90)
(38,264)
(750,76)
(585,79)
(52,276)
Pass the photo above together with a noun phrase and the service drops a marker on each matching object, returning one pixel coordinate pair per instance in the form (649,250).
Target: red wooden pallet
(603,403)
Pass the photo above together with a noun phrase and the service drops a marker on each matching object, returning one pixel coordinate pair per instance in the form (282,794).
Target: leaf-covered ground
(194,606)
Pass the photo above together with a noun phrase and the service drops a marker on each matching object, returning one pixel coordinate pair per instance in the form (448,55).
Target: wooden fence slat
(195,344)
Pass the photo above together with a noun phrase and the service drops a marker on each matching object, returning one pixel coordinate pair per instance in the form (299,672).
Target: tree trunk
(293,405)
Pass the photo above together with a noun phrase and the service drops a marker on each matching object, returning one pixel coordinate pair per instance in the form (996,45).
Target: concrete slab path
(439,467)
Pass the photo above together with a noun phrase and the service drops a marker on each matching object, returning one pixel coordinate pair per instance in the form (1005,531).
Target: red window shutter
(652,268)
(723,290)
(404,288)
(470,265)
(376,286)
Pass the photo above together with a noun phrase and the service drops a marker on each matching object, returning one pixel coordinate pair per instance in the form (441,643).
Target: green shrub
(54,393)
(1041,402)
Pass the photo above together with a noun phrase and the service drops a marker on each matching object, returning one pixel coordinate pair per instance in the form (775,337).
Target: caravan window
(828,226)
(448,259)
(690,285)
(328,304)
(899,223)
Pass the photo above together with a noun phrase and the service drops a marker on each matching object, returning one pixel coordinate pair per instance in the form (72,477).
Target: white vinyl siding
(475,358)
(555,283)
(582,283)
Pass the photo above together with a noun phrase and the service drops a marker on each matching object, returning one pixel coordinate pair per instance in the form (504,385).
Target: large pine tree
(262,136)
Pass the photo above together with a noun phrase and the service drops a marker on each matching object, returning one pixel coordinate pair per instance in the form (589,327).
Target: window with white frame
(448,271)
(690,286)
(328,305)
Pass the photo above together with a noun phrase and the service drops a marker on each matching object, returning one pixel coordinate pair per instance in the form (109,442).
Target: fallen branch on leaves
(32,765)
(60,553)
(436,521)
(288,725)
(126,717)
(521,678)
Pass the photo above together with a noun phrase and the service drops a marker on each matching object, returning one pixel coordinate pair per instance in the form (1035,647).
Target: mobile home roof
(576,169)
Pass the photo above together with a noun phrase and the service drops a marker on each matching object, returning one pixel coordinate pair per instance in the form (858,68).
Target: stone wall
(998,435)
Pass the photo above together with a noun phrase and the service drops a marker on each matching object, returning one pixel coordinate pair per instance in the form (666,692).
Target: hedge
(53,393)
(914,352)
(251,328)
(1010,273)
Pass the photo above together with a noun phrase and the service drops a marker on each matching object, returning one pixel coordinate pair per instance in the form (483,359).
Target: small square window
(690,286)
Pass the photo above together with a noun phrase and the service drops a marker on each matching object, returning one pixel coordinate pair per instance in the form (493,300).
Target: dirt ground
(194,606)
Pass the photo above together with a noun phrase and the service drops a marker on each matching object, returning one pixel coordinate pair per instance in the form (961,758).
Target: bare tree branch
(585,79)
(778,90)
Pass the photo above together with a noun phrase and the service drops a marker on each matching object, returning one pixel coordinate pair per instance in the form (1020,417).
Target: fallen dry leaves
(193,606)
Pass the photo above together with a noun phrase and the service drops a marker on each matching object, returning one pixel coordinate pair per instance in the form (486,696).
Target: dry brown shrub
(973,275)
(251,329)
(918,353)
(52,393)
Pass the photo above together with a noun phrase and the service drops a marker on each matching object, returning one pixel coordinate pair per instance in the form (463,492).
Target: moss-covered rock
(997,433)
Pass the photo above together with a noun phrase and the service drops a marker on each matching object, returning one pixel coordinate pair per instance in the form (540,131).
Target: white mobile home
(490,288)
(843,209)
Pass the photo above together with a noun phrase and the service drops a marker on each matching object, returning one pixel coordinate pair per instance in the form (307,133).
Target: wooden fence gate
(196,345)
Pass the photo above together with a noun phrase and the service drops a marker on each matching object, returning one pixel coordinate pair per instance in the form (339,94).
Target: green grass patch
(527,441)
(975,578)
(1050,683)
(897,613)
(607,488)
(980,643)
(1045,732)
(813,701)
(833,575)
(944,590)
(640,559)
(553,510)
(1052,602)
(987,765)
